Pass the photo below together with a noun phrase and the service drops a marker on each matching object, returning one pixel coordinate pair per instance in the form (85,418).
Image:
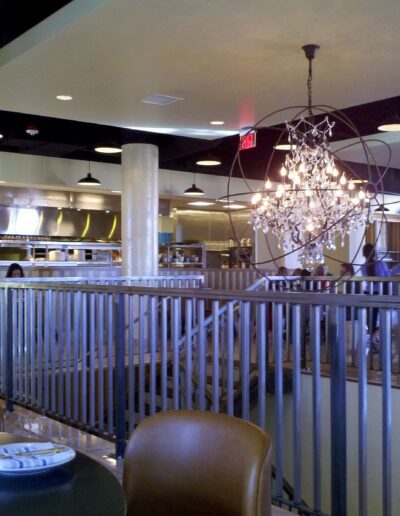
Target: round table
(80,487)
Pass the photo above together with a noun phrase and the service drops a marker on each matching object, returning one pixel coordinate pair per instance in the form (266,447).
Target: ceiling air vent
(161,100)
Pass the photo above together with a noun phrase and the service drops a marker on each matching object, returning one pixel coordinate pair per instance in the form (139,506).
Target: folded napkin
(33,455)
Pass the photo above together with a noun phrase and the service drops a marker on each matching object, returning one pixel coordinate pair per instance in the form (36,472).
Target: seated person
(15,271)
(322,270)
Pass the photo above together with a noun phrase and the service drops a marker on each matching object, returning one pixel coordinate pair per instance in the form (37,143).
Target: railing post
(337,346)
(119,390)
(277,329)
(386,349)
(9,352)
(362,413)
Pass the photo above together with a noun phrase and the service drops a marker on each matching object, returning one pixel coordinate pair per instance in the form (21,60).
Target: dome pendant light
(193,191)
(89,180)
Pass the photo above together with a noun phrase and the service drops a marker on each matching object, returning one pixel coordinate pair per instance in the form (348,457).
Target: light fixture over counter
(193,191)
(89,180)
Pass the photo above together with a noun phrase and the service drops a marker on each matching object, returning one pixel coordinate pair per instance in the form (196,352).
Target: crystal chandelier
(315,205)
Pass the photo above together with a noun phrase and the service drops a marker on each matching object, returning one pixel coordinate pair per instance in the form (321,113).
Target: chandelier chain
(309,88)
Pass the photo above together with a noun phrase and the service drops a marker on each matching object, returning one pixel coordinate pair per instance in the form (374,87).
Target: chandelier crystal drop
(314,205)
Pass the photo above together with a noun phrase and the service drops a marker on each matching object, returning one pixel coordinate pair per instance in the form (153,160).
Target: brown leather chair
(195,463)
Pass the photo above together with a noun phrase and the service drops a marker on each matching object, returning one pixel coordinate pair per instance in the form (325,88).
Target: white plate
(38,469)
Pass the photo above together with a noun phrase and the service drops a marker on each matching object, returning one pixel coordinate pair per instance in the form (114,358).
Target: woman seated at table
(15,271)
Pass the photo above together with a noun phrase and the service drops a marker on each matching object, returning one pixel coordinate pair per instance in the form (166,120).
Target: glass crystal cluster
(314,206)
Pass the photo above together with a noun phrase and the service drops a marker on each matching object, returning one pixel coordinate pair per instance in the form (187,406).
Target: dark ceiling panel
(18,16)
(77,140)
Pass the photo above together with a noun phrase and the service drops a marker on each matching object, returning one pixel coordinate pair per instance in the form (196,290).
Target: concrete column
(139,209)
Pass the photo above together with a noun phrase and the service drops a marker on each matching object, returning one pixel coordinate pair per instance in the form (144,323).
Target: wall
(211,225)
(41,171)
(374,453)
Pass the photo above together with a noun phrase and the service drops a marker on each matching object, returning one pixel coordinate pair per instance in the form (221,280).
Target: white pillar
(139,209)
(265,252)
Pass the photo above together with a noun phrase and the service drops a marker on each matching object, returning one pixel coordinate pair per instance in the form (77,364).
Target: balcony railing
(103,357)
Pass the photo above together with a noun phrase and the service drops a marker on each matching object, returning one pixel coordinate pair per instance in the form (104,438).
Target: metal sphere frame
(374,184)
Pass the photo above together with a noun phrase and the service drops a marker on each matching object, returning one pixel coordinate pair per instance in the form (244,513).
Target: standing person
(373,267)
(15,271)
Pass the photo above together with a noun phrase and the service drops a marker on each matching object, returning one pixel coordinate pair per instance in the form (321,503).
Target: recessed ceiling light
(226,201)
(234,206)
(108,149)
(217,122)
(393,124)
(208,161)
(1,136)
(116,191)
(284,146)
(201,203)
(389,127)
(64,97)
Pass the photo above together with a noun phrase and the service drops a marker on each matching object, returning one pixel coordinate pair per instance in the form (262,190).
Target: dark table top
(80,487)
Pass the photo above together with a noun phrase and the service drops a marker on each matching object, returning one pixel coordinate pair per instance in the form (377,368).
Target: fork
(51,451)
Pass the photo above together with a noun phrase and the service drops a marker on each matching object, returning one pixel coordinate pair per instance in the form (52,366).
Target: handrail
(302,297)
(77,279)
(222,310)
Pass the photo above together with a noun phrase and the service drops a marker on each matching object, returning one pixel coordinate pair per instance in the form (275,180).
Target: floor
(24,422)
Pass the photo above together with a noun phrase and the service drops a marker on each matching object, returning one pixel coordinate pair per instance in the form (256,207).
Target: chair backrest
(189,462)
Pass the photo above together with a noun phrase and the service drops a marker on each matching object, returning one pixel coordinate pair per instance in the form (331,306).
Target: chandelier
(314,206)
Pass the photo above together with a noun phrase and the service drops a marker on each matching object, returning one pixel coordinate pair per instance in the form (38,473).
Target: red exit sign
(248,140)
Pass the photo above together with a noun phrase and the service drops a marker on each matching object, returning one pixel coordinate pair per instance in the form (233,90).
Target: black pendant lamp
(89,180)
(193,191)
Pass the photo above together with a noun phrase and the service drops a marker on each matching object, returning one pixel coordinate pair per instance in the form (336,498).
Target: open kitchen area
(61,233)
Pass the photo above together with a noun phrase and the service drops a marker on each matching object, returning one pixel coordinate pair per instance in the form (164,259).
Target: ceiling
(228,60)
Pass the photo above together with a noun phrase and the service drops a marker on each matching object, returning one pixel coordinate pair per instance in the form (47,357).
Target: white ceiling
(231,60)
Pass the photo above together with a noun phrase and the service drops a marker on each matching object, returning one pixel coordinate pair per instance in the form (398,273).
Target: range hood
(53,224)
